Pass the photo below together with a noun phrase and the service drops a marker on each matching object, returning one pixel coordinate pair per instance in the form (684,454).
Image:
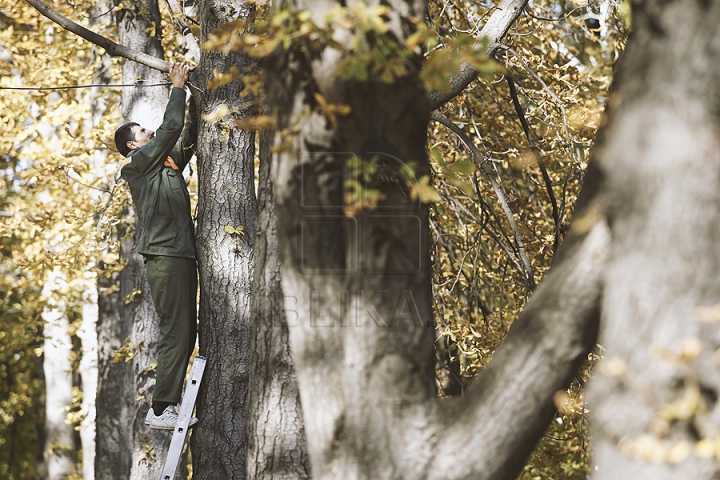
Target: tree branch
(528,271)
(538,158)
(494,30)
(112,48)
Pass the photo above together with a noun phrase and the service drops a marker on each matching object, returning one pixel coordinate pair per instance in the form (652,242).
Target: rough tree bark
(225,159)
(145,106)
(114,399)
(654,401)
(276,432)
(226,198)
(358,289)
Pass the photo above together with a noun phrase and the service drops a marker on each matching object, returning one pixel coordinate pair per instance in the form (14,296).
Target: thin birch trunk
(88,370)
(59,443)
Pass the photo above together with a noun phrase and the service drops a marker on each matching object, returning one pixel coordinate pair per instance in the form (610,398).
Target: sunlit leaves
(259,122)
(457,172)
(220,79)
(218,113)
(238,231)
(330,110)
(226,38)
(54,197)
(443,63)
(562,81)
(422,190)
(361,33)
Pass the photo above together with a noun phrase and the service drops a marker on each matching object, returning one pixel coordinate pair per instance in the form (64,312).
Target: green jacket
(159,192)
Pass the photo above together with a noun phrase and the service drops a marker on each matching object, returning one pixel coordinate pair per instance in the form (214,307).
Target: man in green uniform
(153,169)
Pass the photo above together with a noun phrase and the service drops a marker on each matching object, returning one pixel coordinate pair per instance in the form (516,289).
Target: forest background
(508,159)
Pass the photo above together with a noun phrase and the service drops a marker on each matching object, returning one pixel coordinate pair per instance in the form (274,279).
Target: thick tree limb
(539,357)
(494,30)
(112,48)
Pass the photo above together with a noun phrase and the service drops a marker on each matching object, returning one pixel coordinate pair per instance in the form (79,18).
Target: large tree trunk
(145,106)
(357,289)
(654,401)
(59,442)
(226,198)
(277,448)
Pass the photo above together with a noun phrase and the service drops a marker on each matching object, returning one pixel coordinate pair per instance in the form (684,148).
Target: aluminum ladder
(181,428)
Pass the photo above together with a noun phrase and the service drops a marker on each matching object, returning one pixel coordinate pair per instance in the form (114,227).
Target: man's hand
(179,74)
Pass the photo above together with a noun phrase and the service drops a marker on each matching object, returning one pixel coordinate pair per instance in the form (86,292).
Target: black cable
(90,86)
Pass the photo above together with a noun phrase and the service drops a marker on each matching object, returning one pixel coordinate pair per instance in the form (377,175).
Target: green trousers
(173,286)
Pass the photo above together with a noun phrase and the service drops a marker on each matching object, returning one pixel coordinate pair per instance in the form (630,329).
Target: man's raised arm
(186,146)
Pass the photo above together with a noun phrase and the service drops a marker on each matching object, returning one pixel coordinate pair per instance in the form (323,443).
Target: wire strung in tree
(101,86)
(90,86)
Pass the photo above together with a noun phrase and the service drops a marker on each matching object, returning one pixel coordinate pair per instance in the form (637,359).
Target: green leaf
(463,167)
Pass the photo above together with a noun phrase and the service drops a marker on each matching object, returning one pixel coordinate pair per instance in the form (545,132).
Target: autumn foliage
(500,204)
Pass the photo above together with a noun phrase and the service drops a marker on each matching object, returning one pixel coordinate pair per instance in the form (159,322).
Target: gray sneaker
(166,421)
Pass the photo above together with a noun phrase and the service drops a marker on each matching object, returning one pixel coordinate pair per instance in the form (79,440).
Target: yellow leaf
(260,122)
(239,230)
(220,79)
(709,314)
(220,112)
(424,191)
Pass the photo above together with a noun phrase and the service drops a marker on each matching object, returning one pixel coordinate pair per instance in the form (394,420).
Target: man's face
(142,136)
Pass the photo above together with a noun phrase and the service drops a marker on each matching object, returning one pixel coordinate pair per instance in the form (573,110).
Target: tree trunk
(59,442)
(226,198)
(88,370)
(145,106)
(357,289)
(654,401)
(277,448)
(115,399)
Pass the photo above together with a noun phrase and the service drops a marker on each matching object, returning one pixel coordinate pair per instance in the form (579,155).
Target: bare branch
(528,273)
(112,48)
(538,158)
(552,95)
(494,31)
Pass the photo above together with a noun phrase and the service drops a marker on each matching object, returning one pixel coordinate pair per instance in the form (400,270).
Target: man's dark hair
(123,135)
